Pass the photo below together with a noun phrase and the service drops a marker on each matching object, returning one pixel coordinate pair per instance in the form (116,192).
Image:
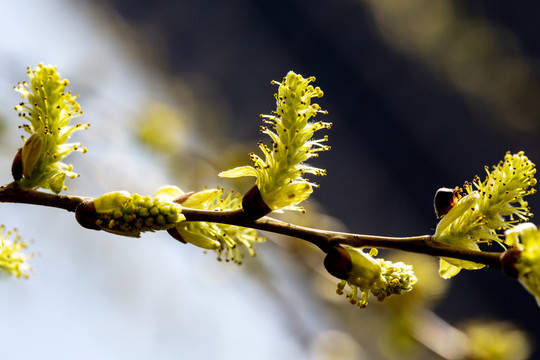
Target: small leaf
(239,172)
(168,193)
(56,183)
(199,199)
(464,264)
(111,201)
(447,270)
(288,195)
(199,240)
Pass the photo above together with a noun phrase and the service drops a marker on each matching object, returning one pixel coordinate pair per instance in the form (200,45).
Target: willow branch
(325,240)
(424,244)
(11,193)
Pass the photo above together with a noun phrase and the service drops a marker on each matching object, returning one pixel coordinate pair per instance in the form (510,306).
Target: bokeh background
(422,94)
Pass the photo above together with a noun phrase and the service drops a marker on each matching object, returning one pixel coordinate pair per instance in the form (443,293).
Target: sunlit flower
(526,238)
(49,109)
(13,261)
(361,273)
(280,174)
(230,242)
(120,213)
(399,279)
(490,207)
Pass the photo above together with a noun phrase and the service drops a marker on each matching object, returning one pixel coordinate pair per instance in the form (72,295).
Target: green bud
(143,212)
(254,205)
(129,215)
(366,272)
(56,182)
(86,215)
(31,152)
(338,262)
(16,166)
(176,235)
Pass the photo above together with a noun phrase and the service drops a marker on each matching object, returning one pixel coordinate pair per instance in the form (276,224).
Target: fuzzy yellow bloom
(49,110)
(127,214)
(280,174)
(526,238)
(490,207)
(362,273)
(228,241)
(13,261)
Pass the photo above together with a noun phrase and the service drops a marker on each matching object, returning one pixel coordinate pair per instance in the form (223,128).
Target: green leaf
(447,270)
(56,183)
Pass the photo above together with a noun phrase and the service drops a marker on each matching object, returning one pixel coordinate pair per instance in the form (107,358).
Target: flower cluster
(490,207)
(488,340)
(13,261)
(229,241)
(526,238)
(120,213)
(49,109)
(279,174)
(362,274)
(399,279)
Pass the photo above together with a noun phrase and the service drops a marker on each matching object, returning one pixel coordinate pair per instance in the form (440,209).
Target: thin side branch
(325,240)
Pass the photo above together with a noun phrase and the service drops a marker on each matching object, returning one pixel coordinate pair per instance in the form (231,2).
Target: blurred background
(422,94)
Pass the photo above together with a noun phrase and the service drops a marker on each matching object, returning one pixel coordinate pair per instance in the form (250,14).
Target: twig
(11,193)
(325,240)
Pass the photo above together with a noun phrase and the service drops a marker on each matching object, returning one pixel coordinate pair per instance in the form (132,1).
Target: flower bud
(254,205)
(363,274)
(56,182)
(176,235)
(366,271)
(16,166)
(509,258)
(86,215)
(338,262)
(129,215)
(30,154)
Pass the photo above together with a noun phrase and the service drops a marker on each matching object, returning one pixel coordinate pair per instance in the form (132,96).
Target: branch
(325,240)
(12,193)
